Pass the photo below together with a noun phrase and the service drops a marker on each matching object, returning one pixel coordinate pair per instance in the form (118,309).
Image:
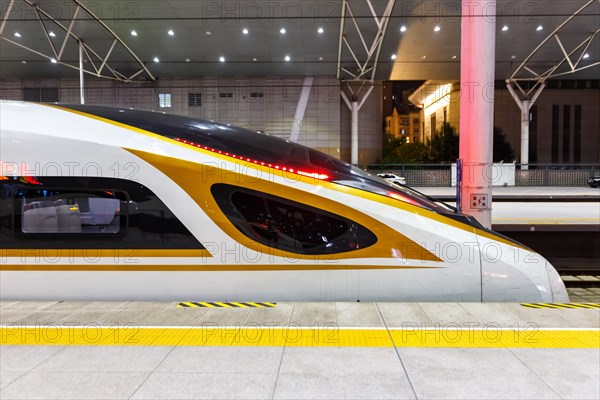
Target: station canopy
(146,39)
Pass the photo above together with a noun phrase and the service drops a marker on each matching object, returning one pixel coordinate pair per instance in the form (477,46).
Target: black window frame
(49,94)
(362,236)
(194,99)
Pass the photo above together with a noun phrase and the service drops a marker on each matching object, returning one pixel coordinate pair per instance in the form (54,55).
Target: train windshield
(258,146)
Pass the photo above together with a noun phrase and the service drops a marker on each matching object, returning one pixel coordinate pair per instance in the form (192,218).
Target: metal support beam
(8,10)
(526,98)
(81,83)
(69,30)
(478,47)
(39,17)
(354,105)
(366,56)
(525,104)
(354,132)
(301,108)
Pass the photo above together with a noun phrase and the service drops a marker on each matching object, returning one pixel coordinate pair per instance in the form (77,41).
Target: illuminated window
(164,100)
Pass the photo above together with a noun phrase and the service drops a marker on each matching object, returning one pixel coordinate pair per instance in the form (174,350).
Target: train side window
(288,225)
(107,213)
(49,211)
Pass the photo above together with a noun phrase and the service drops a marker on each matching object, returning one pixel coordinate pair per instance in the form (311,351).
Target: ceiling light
(437,28)
(423,57)
(504,28)
(133,33)
(209,33)
(513,57)
(320,30)
(320,58)
(287,58)
(53,60)
(254,59)
(393,57)
(403,28)
(51,34)
(17,34)
(187,60)
(586,56)
(282,31)
(156,59)
(540,28)
(24,62)
(454,57)
(245,31)
(171,33)
(222,59)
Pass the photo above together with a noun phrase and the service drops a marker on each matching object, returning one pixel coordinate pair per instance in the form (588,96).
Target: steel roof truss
(91,54)
(5,18)
(554,34)
(366,62)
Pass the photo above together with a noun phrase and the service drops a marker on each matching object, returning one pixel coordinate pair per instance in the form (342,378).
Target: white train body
(94,206)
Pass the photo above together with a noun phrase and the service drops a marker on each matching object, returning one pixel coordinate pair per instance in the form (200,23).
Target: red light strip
(314,175)
(405,199)
(31,180)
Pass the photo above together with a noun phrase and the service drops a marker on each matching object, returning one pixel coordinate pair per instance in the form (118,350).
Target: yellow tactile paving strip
(326,336)
(561,305)
(222,304)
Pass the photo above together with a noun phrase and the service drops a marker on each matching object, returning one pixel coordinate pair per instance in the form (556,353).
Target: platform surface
(535,209)
(144,350)
(524,191)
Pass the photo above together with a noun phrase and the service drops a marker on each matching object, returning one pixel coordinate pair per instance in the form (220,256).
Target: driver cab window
(290,226)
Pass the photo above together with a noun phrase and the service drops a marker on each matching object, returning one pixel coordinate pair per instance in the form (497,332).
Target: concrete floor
(430,369)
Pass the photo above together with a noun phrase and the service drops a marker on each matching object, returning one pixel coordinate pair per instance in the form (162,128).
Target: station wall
(564,126)
(265,104)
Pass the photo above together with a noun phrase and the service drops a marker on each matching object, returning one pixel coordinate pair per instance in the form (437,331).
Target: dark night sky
(400,90)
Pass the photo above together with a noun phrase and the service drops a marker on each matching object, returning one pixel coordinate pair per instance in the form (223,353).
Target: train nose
(559,291)
(518,274)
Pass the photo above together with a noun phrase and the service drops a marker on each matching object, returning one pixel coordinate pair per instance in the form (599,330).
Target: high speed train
(114,203)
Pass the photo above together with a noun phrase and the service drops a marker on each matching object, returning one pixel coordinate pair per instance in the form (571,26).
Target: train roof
(224,137)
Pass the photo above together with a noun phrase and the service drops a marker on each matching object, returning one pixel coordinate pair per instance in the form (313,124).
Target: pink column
(478,45)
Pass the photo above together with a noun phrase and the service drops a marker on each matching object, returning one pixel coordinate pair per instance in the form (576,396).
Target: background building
(564,122)
(408,125)
(439,102)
